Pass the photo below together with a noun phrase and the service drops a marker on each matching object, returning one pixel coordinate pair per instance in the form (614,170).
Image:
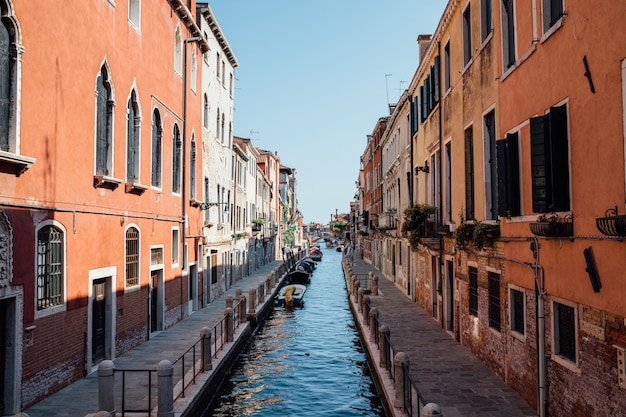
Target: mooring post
(359,298)
(165,374)
(251,297)
(374,284)
(205,335)
(229,328)
(229,301)
(383,346)
(373,321)
(365,309)
(242,310)
(432,410)
(106,386)
(400,373)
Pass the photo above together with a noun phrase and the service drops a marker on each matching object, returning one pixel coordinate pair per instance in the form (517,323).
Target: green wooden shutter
(507,154)
(540,165)
(559,152)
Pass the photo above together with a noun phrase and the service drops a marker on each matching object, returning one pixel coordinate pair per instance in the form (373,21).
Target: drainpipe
(542,397)
(184,166)
(440,173)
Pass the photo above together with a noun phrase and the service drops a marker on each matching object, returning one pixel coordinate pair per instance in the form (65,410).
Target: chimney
(423,41)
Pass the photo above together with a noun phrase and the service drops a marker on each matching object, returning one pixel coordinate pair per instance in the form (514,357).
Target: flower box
(612,225)
(552,229)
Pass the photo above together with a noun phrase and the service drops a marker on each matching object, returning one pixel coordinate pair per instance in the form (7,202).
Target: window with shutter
(104,120)
(469,175)
(157,133)
(507,153)
(549,146)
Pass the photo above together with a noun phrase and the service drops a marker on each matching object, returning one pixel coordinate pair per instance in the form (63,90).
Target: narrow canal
(304,361)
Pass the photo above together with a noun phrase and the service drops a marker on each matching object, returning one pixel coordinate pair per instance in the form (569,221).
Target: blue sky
(311,82)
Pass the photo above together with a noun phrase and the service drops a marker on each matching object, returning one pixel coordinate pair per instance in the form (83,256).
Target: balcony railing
(387,220)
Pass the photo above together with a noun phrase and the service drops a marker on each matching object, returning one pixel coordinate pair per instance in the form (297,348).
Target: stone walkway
(81,397)
(445,372)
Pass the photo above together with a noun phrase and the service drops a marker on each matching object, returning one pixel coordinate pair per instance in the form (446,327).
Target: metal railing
(135,379)
(187,367)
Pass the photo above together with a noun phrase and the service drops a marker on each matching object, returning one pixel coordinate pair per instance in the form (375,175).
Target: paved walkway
(445,372)
(81,398)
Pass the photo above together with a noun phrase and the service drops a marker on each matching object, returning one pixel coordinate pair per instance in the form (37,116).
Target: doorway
(98,322)
(155,301)
(449,296)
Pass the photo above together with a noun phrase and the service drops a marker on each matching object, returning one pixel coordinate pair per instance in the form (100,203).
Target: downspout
(440,173)
(542,401)
(184,167)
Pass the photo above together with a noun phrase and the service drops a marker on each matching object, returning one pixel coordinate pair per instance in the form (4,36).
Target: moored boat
(316,254)
(291,296)
(298,277)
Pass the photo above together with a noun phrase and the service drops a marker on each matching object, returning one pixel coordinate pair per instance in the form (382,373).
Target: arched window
(132,257)
(104,124)
(176,159)
(133,125)
(157,143)
(50,266)
(5,88)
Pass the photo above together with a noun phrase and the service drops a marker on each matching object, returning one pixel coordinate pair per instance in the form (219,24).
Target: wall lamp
(206,206)
(424,168)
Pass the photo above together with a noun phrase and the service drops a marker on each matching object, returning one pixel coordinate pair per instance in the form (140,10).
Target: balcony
(387,220)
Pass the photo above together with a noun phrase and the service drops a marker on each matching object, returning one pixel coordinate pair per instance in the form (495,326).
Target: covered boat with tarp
(291,296)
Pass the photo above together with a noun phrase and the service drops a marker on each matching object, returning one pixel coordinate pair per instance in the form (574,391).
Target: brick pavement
(445,372)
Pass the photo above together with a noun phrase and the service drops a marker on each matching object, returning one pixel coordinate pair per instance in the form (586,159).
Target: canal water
(304,361)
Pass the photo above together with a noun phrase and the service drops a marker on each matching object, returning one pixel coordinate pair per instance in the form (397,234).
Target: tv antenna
(387,86)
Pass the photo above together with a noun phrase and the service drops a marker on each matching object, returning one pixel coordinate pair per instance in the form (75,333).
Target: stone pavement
(445,372)
(81,397)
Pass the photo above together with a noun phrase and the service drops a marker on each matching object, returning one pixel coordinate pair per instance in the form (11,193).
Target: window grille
(49,267)
(132,257)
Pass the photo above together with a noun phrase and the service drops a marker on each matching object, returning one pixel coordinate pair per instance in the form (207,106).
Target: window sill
(135,188)
(102,181)
(566,363)
(15,164)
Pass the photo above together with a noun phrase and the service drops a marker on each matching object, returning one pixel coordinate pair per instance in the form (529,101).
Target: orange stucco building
(100,240)
(518,126)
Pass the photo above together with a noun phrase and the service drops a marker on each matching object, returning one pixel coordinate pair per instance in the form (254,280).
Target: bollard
(165,374)
(106,386)
(229,327)
(365,309)
(400,379)
(229,301)
(242,310)
(375,285)
(98,414)
(205,335)
(359,299)
(357,284)
(237,294)
(383,346)
(432,410)
(251,297)
(374,324)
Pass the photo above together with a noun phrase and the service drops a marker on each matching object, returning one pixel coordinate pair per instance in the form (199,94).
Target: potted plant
(484,233)
(463,233)
(417,220)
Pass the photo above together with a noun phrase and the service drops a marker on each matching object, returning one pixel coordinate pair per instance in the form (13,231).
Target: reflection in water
(304,361)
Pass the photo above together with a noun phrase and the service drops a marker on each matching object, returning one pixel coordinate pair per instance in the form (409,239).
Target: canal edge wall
(382,380)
